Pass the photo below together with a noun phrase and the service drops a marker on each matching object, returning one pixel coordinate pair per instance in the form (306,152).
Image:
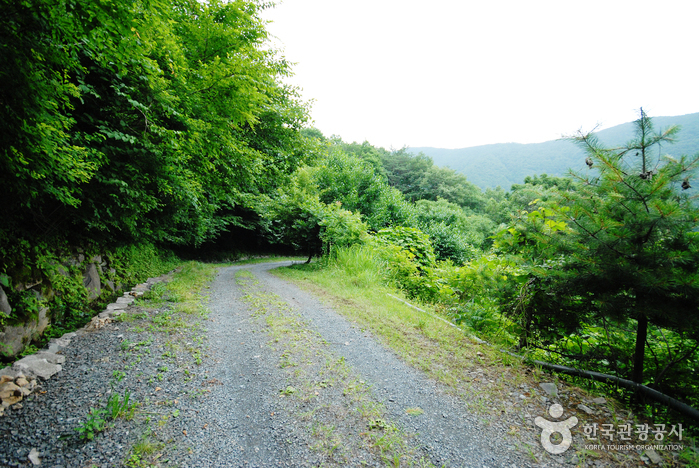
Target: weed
(118,375)
(131,317)
(379,424)
(121,407)
(30,349)
(94,424)
(142,451)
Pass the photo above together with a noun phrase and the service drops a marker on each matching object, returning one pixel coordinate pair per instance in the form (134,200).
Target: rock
(21,382)
(4,303)
(53,358)
(125,300)
(34,457)
(15,337)
(117,306)
(9,389)
(58,344)
(586,409)
(6,378)
(653,456)
(550,388)
(98,322)
(42,364)
(91,281)
(599,401)
(10,394)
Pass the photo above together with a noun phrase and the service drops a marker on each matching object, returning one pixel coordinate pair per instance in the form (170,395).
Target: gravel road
(241,404)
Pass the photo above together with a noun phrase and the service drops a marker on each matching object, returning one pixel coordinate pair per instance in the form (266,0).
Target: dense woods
(167,123)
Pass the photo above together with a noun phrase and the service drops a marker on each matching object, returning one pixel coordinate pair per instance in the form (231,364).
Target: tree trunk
(640,353)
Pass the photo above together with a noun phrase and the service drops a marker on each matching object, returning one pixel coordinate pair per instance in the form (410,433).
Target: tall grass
(359,263)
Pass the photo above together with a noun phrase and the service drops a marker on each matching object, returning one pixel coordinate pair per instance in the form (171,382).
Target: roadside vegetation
(134,129)
(163,345)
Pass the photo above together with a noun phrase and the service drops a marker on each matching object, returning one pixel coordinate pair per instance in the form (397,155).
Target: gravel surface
(213,392)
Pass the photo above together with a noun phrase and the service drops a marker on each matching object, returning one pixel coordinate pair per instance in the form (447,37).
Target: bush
(135,263)
(409,259)
(414,242)
(341,228)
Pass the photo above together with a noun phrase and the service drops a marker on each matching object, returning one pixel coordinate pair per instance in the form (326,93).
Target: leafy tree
(455,234)
(623,246)
(296,216)
(419,179)
(127,121)
(442,182)
(351,180)
(367,153)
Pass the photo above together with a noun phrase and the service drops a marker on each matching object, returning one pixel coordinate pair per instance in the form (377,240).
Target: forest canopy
(153,120)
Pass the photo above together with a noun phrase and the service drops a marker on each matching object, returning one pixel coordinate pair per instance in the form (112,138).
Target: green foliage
(136,121)
(134,124)
(617,251)
(472,294)
(409,259)
(135,263)
(296,216)
(95,423)
(414,242)
(360,263)
(342,176)
(340,227)
(25,306)
(418,178)
(96,420)
(456,234)
(118,406)
(56,276)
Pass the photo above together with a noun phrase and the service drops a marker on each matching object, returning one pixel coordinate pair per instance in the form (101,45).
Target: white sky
(459,73)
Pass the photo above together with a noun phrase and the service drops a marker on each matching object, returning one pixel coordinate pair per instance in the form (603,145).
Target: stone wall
(97,277)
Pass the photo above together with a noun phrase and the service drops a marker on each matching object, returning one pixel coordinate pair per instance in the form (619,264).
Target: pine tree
(636,249)
(622,245)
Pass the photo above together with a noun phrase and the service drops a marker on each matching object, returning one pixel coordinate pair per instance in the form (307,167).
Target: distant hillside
(505,164)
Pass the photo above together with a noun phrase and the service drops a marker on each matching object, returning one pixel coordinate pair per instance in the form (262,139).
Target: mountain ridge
(505,164)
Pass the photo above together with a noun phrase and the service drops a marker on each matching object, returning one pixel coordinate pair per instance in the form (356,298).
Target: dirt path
(260,355)
(269,377)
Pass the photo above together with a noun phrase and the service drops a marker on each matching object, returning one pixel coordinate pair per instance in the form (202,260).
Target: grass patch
(500,388)
(168,319)
(424,341)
